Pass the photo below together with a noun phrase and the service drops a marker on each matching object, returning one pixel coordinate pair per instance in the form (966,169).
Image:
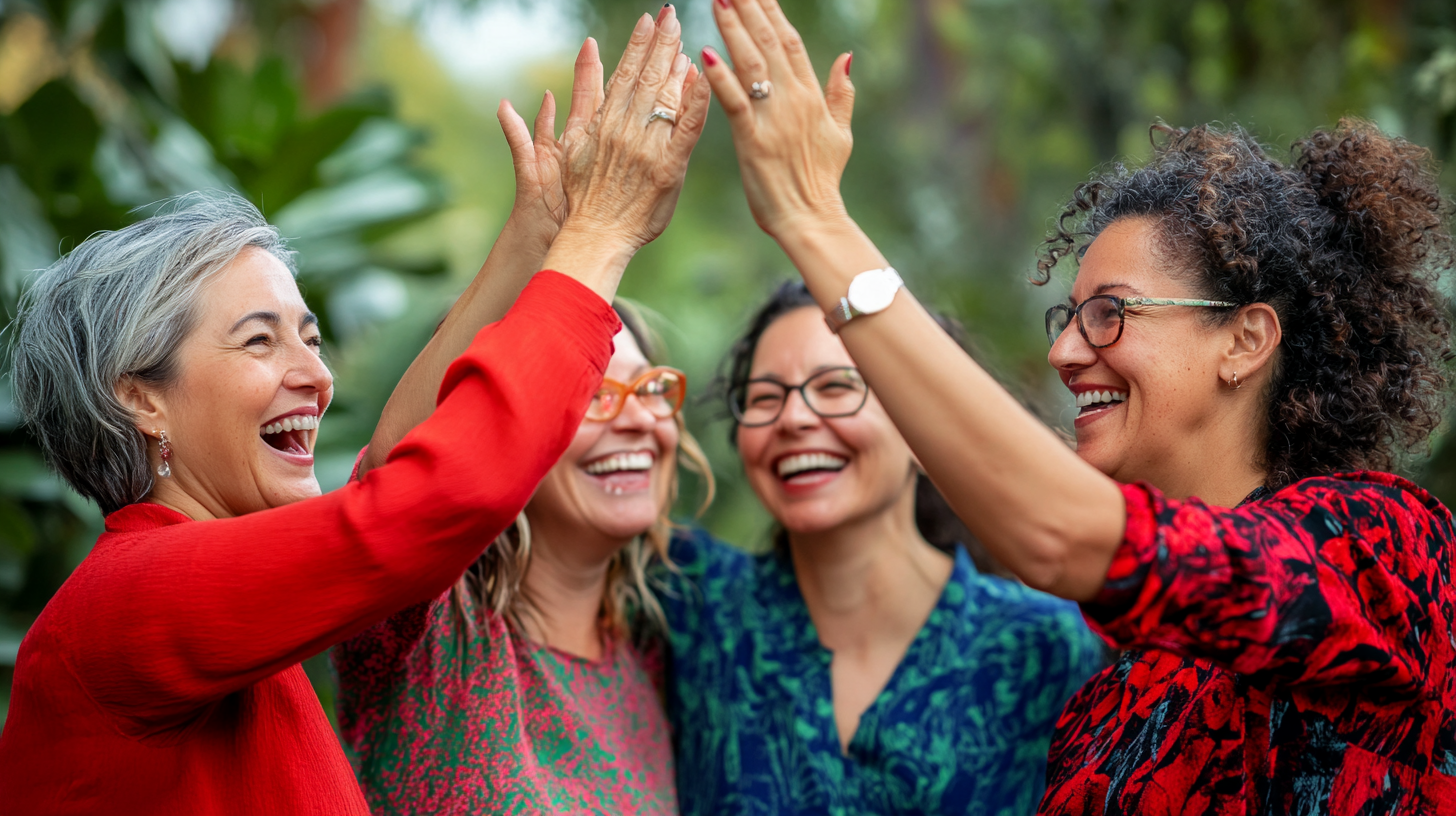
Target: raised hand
(540,205)
(624,157)
(793,139)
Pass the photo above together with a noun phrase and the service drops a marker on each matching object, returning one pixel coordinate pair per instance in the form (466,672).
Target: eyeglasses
(660,390)
(1100,318)
(831,393)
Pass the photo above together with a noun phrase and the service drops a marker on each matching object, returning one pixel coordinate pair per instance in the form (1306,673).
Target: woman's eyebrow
(271,318)
(1110,286)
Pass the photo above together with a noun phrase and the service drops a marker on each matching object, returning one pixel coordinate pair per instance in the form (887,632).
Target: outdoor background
(366,132)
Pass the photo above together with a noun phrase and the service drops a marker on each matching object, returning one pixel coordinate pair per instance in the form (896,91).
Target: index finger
(586,86)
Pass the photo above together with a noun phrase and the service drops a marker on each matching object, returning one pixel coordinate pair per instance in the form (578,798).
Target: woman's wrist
(531,232)
(828,253)
(595,257)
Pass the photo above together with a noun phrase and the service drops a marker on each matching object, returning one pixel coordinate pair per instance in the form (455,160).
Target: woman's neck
(566,585)
(870,581)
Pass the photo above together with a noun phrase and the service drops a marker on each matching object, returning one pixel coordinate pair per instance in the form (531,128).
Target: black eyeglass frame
(739,393)
(1121,303)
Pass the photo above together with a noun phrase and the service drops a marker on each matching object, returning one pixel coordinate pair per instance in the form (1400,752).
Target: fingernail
(709,57)
(848,63)
(725,3)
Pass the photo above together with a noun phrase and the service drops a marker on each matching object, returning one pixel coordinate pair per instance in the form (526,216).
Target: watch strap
(841,314)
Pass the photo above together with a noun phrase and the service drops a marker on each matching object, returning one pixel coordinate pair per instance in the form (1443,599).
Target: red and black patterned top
(1292,655)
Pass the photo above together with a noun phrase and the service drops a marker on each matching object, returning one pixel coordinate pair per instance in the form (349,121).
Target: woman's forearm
(1050,517)
(515,257)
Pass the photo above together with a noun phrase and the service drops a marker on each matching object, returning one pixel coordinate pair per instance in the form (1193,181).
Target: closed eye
(256,339)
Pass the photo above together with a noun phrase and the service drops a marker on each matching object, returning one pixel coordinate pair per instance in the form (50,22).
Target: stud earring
(1234,382)
(165,469)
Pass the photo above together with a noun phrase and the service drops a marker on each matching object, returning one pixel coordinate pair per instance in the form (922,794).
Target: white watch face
(873,291)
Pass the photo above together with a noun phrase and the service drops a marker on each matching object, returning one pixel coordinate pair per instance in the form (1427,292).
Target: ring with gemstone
(760,90)
(666,114)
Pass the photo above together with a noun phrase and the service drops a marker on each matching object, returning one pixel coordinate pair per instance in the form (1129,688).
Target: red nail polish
(709,58)
(848,63)
(725,3)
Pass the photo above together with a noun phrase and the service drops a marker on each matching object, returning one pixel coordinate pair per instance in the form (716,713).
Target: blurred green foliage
(974,121)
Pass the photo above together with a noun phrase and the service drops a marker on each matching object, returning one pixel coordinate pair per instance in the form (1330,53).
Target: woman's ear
(1253,337)
(146,406)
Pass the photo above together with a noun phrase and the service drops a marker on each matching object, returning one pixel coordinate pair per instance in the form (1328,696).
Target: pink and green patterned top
(444,723)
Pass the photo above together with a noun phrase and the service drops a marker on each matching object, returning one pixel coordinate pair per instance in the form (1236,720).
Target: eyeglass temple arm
(1146,301)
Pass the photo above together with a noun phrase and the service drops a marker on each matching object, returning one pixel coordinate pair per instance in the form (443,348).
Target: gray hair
(119,305)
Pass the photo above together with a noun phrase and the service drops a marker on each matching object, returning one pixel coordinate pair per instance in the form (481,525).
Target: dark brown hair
(1346,241)
(934,519)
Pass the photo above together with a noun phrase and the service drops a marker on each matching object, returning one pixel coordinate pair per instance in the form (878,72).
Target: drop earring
(1234,383)
(165,469)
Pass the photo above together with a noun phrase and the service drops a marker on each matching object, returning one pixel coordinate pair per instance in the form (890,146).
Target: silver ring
(670,116)
(760,90)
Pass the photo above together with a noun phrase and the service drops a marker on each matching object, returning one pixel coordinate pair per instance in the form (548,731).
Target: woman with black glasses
(1255,342)
(870,663)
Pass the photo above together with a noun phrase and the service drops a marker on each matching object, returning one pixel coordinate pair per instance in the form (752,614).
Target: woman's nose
(797,414)
(308,372)
(634,416)
(1071,350)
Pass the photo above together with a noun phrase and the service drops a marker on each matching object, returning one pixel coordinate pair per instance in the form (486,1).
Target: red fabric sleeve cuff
(563,305)
(1127,589)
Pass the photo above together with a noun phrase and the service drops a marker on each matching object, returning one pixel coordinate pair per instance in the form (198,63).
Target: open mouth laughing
(293,434)
(622,472)
(809,468)
(1095,402)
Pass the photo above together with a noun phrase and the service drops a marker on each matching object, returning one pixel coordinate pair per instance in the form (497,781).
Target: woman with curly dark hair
(1250,343)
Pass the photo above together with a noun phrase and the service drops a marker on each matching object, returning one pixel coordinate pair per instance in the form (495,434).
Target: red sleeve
(1330,581)
(178,616)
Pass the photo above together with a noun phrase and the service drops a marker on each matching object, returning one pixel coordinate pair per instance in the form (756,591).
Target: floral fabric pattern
(1292,655)
(492,723)
(962,726)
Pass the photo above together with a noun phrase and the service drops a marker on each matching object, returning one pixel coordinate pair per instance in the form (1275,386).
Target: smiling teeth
(1087,398)
(619,462)
(801,462)
(302,422)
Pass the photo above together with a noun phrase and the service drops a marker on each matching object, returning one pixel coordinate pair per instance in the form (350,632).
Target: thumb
(546,119)
(839,92)
(518,136)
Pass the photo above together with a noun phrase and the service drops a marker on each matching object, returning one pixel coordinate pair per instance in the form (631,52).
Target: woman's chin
(287,491)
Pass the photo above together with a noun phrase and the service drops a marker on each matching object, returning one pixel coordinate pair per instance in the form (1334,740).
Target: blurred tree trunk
(329,51)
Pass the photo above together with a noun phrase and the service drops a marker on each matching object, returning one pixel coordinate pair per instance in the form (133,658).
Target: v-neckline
(810,646)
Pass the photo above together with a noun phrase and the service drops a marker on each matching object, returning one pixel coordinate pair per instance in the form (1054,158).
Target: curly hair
(1346,242)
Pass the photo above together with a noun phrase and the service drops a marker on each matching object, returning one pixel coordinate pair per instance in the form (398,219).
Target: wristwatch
(869,292)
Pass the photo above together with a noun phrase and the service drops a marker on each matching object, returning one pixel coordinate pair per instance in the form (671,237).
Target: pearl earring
(165,469)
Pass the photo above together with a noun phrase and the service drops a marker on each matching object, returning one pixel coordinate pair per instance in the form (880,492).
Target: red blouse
(164,678)
(1292,655)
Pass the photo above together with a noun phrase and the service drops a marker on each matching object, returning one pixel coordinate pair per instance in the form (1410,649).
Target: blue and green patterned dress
(963,725)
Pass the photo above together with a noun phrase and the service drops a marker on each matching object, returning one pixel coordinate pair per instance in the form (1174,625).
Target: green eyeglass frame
(1104,330)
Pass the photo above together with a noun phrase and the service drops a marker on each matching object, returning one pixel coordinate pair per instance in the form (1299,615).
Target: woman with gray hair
(171,371)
